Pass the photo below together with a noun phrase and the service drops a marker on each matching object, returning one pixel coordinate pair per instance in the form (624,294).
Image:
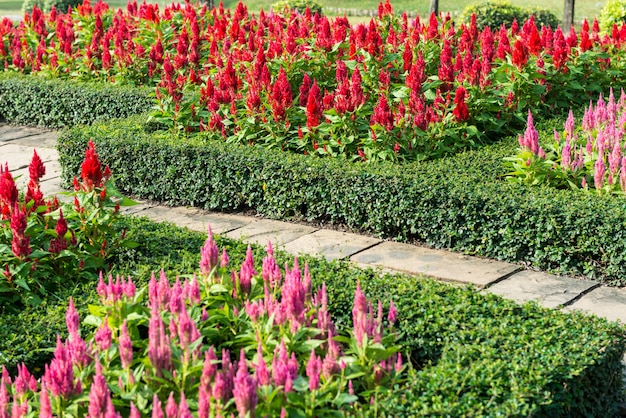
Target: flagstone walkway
(508,280)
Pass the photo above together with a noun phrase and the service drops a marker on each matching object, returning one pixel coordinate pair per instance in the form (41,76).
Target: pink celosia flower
(99,394)
(125,346)
(244,390)
(209,254)
(313,370)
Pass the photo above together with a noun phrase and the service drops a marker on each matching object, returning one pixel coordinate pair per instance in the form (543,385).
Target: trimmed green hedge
(475,354)
(53,103)
(461,203)
(495,13)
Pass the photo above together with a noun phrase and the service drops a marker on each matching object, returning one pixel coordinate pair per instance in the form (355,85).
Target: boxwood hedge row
(474,354)
(53,103)
(461,203)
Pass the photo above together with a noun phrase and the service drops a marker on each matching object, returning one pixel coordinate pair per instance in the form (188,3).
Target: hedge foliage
(613,13)
(474,354)
(461,203)
(53,103)
(495,13)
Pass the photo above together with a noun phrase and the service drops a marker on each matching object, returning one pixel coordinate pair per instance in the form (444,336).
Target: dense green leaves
(474,354)
(29,100)
(462,202)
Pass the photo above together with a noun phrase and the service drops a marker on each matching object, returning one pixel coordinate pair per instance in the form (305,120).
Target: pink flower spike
(134,412)
(157,407)
(244,390)
(103,335)
(171,408)
(599,171)
(125,347)
(183,408)
(209,254)
(45,408)
(313,370)
(72,320)
(99,395)
(224,259)
(393,314)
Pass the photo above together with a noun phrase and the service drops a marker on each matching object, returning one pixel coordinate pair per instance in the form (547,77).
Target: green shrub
(475,354)
(30,100)
(614,13)
(462,203)
(46,5)
(299,5)
(29,5)
(496,13)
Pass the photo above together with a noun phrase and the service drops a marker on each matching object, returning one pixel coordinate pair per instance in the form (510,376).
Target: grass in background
(584,9)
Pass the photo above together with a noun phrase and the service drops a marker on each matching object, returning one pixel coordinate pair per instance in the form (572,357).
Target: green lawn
(584,8)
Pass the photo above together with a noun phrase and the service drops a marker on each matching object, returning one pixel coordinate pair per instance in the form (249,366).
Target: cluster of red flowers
(400,76)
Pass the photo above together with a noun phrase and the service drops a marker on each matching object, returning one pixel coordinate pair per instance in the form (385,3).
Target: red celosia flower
(382,113)
(21,243)
(313,106)
(446,69)
(520,53)
(281,97)
(8,191)
(461,113)
(91,172)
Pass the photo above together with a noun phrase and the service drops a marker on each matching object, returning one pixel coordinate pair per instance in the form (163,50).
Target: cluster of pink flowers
(238,379)
(592,153)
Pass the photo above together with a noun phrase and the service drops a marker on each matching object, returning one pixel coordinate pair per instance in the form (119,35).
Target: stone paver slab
(181,216)
(18,156)
(51,186)
(330,244)
(264,230)
(607,302)
(435,263)
(43,140)
(549,290)
(9,133)
(222,223)
(135,209)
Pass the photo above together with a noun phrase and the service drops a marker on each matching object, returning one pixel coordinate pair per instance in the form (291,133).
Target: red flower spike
(36,169)
(461,113)
(91,172)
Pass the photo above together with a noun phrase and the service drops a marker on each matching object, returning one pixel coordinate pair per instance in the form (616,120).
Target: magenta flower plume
(271,272)
(247,272)
(103,335)
(72,320)
(45,408)
(224,259)
(260,370)
(134,412)
(313,370)
(157,407)
(125,347)
(393,314)
(599,171)
(59,373)
(209,254)
(530,140)
(99,394)
(359,315)
(244,390)
(171,408)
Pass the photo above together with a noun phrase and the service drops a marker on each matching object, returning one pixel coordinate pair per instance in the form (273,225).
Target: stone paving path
(508,280)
